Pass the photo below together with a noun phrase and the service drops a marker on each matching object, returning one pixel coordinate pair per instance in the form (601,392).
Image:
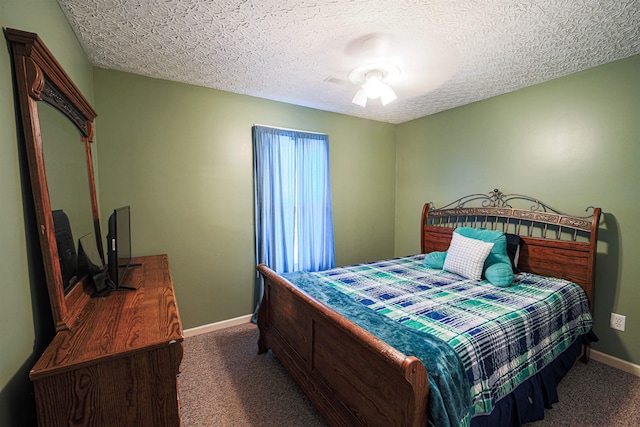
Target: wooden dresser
(118,364)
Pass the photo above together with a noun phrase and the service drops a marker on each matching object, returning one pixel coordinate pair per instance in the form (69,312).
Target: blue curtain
(294,221)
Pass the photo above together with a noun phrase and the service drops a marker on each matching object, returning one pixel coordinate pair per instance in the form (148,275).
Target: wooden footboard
(351,376)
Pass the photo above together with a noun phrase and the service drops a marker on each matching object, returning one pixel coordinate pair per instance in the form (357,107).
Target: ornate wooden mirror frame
(39,77)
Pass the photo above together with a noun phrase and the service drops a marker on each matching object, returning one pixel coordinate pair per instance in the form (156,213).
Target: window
(294,221)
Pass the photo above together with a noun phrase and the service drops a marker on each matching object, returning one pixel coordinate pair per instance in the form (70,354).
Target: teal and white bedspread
(502,336)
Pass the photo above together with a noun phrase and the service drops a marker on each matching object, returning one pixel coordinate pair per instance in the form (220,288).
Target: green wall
(25,316)
(572,142)
(182,157)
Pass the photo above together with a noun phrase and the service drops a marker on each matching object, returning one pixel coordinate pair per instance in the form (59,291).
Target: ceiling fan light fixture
(387,95)
(360,98)
(373,86)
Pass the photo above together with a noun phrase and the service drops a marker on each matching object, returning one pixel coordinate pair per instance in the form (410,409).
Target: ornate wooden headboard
(554,243)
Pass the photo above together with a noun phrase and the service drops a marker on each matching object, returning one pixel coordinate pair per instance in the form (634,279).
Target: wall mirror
(65,163)
(57,123)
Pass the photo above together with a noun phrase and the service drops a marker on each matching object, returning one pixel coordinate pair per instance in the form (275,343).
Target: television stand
(115,287)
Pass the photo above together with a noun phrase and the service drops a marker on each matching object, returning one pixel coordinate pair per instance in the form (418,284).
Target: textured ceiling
(450,53)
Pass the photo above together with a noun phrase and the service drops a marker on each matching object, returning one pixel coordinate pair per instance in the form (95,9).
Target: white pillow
(466,256)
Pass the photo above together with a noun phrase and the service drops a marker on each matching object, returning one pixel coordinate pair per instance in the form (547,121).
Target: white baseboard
(623,365)
(191,332)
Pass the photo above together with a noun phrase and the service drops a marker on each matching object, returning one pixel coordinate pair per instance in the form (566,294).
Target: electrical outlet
(618,321)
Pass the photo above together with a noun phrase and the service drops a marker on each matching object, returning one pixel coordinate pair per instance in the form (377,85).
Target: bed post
(263,316)
(593,245)
(425,214)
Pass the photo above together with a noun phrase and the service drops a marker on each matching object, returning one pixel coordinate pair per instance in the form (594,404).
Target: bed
(367,367)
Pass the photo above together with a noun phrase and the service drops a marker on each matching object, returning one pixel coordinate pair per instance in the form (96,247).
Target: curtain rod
(292,130)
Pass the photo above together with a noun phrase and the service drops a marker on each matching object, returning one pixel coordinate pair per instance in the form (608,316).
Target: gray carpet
(595,395)
(224,382)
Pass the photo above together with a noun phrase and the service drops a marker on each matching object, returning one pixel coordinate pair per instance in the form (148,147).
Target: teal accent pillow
(435,260)
(497,276)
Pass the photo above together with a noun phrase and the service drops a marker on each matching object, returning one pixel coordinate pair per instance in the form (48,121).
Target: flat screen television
(119,246)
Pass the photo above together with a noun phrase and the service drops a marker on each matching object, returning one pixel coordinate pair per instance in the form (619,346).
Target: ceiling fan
(385,67)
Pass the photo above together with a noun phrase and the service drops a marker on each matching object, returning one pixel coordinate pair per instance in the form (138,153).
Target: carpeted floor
(224,382)
(595,395)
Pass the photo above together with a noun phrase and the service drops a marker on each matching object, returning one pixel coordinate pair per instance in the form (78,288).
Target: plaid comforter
(502,335)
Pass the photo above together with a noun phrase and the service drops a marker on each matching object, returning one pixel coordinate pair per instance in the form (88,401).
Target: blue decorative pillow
(435,260)
(497,276)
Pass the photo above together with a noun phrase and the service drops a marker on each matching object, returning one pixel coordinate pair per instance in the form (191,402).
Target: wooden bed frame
(353,377)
